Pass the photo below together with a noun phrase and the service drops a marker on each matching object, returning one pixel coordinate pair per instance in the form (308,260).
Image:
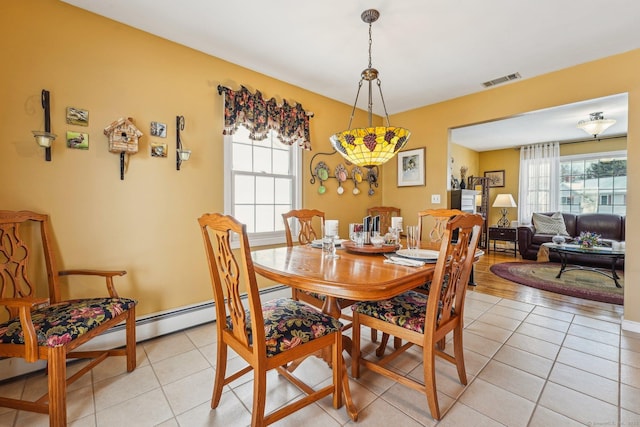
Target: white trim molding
(630,325)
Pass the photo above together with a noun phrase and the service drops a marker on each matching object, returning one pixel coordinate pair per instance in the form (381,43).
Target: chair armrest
(107,274)
(22,307)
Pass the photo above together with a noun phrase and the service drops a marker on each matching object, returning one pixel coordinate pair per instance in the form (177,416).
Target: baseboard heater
(147,327)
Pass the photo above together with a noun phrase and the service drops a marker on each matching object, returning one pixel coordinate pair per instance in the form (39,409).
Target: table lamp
(504,201)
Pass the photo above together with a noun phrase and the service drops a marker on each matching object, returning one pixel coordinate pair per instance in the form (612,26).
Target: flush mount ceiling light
(370,146)
(596,124)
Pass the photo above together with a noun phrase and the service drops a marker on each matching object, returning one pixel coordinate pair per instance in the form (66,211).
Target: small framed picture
(496,178)
(411,167)
(158,149)
(77,116)
(158,129)
(78,140)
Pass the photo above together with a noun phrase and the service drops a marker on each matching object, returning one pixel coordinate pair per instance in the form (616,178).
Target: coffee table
(564,251)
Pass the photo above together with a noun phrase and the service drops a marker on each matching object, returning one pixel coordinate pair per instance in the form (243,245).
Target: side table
(503,234)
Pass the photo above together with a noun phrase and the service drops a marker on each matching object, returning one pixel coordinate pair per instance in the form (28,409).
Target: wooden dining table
(352,276)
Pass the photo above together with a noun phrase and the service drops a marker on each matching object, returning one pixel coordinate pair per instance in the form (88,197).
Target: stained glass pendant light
(370,146)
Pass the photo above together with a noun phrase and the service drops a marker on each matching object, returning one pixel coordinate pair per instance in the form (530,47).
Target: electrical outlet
(435,198)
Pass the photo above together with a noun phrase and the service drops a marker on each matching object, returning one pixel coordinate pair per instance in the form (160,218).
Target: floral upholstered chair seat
(289,323)
(58,324)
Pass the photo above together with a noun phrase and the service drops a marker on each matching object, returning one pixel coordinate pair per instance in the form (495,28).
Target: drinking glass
(329,246)
(356,233)
(413,240)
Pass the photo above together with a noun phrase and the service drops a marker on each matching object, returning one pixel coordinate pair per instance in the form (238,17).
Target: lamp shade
(370,146)
(504,201)
(596,124)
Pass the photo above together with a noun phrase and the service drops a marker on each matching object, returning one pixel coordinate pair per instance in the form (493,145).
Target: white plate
(421,254)
(318,242)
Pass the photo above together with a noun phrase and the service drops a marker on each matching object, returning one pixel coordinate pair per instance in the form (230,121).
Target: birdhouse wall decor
(123,139)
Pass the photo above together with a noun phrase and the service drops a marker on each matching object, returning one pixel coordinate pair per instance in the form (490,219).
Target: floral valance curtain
(259,115)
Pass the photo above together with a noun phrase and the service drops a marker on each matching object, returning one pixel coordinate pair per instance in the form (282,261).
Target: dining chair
(306,235)
(385,213)
(437,219)
(424,320)
(266,335)
(52,328)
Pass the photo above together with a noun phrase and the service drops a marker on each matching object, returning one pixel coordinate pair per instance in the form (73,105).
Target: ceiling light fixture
(596,124)
(370,146)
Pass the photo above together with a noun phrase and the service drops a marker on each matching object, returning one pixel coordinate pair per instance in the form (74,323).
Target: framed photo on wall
(496,178)
(411,167)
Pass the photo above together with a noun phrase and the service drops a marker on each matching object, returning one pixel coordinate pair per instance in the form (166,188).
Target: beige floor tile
(512,409)
(630,375)
(179,366)
(578,406)
(585,382)
(462,415)
(88,421)
(124,387)
(587,346)
(361,399)
(414,403)
(513,380)
(547,322)
(534,345)
(169,423)
(477,305)
(517,305)
(595,335)
(601,325)
(203,334)
(586,362)
(381,413)
(230,408)
(8,417)
(114,366)
(499,321)
(491,332)
(541,333)
(629,357)
(146,409)
(190,391)
(543,417)
(279,391)
(630,341)
(629,418)
(167,346)
(482,297)
(507,311)
(481,345)
(312,415)
(555,314)
(630,398)
(524,360)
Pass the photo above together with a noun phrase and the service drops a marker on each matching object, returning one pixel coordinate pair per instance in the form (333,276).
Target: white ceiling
(426,51)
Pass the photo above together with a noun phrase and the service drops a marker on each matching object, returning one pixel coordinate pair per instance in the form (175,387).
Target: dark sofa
(611,227)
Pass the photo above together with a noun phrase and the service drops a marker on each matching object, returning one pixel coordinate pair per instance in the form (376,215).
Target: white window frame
(594,156)
(270,238)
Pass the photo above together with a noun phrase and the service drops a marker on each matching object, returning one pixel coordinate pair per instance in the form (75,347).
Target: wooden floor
(489,283)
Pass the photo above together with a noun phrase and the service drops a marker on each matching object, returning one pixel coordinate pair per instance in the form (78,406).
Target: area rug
(576,283)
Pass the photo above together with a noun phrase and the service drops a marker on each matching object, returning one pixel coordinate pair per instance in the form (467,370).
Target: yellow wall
(145,224)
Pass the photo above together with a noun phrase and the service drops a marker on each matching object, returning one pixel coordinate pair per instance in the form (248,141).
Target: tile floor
(527,366)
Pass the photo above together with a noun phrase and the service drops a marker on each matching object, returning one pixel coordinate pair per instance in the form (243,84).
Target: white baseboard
(147,327)
(631,326)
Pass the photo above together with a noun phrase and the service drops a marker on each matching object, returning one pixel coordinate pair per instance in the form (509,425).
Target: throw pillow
(553,224)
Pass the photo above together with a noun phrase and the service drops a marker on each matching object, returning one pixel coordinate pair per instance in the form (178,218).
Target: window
(594,183)
(262,181)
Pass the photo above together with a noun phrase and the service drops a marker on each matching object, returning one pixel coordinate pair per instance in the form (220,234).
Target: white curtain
(539,180)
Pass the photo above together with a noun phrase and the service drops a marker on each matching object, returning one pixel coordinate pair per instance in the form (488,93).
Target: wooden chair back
(452,271)
(385,213)
(306,232)
(232,273)
(436,223)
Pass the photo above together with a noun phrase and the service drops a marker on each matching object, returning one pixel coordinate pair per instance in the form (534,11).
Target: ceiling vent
(502,79)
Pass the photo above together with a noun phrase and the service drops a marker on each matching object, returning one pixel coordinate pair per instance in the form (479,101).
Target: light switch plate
(435,198)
